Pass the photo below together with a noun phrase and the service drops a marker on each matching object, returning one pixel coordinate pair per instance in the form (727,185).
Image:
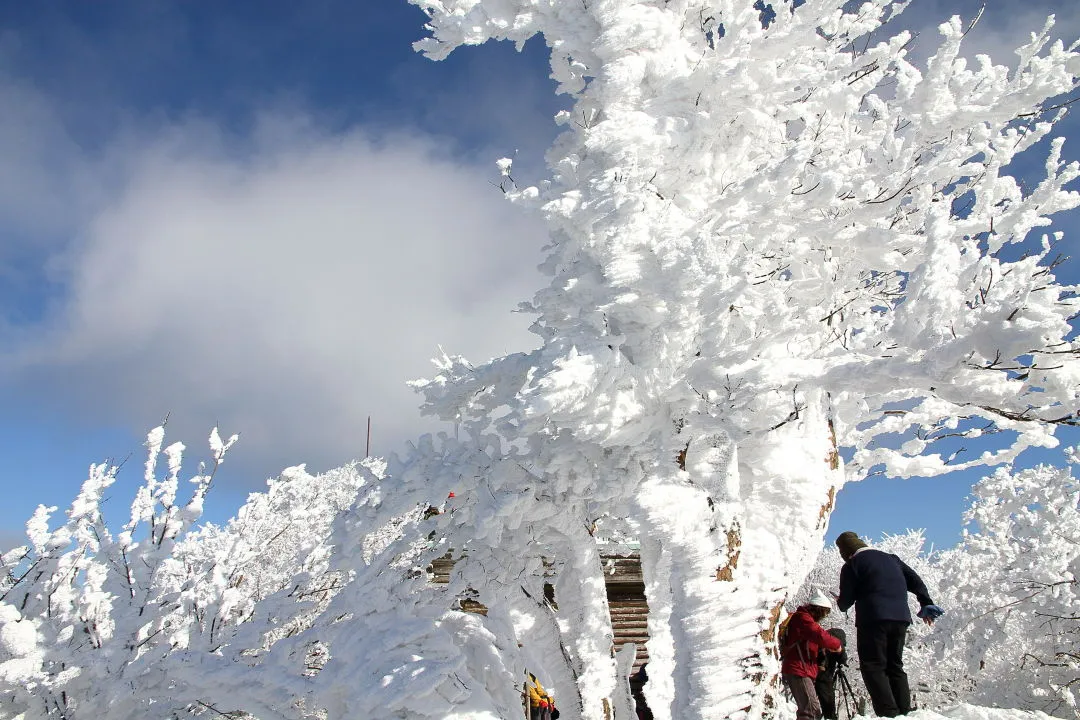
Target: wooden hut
(625,594)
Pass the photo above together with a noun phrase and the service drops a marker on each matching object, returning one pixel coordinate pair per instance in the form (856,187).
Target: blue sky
(267,216)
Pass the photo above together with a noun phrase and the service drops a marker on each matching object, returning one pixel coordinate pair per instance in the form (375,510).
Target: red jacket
(805,638)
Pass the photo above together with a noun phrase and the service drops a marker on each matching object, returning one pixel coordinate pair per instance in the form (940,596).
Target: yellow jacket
(538,697)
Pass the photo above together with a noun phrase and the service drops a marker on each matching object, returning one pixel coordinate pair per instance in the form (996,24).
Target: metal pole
(367,448)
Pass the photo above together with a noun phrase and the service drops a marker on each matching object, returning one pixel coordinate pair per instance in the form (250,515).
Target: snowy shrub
(75,612)
(314,601)
(1015,579)
(101,624)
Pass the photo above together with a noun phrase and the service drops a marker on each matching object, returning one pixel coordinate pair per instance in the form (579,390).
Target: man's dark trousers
(881,662)
(825,685)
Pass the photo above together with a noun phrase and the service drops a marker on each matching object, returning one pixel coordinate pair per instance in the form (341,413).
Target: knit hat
(820,599)
(849,543)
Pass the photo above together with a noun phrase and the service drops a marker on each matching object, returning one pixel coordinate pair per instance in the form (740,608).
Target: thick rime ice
(1015,584)
(771,247)
(258,618)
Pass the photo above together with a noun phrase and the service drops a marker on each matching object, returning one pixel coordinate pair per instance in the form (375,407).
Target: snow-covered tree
(1013,627)
(74,607)
(774,240)
(163,617)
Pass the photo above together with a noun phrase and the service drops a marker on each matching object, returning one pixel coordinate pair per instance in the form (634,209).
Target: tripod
(847,695)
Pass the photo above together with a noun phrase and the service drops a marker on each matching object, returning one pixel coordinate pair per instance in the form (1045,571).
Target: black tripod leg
(846,693)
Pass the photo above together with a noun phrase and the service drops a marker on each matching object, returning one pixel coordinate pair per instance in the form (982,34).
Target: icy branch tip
(219,448)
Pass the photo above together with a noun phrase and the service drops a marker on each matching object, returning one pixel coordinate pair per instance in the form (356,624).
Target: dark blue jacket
(877,584)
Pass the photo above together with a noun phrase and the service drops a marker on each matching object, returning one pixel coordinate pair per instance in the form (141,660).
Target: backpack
(784,641)
(782,633)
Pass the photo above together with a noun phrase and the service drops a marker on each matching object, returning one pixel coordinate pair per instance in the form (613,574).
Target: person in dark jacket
(637,691)
(877,584)
(804,639)
(829,665)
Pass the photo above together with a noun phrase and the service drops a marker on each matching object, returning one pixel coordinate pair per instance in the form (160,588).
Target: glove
(930,612)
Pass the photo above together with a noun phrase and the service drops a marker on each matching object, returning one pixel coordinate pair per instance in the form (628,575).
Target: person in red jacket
(802,642)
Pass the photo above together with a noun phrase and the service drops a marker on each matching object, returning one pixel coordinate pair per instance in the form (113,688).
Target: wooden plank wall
(625,593)
(626,603)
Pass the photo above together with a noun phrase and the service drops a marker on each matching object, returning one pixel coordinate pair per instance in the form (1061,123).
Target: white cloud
(286,289)
(41,173)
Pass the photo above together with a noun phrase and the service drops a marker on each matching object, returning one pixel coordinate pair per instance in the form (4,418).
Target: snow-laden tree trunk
(750,523)
(585,624)
(656,570)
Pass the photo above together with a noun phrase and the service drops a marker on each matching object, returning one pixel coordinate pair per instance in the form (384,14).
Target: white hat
(820,599)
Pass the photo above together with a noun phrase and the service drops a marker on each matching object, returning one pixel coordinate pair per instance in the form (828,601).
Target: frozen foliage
(313,602)
(73,610)
(94,624)
(1015,586)
(771,243)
